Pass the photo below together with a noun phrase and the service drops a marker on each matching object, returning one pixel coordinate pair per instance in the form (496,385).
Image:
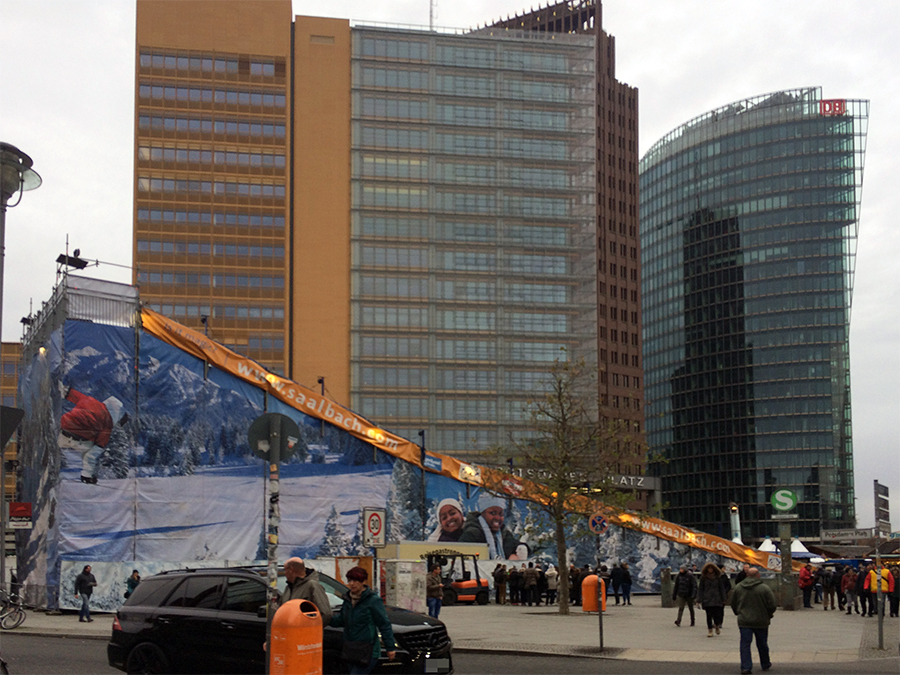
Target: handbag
(358,652)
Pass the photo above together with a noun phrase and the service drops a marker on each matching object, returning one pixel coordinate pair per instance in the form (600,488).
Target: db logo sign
(834,106)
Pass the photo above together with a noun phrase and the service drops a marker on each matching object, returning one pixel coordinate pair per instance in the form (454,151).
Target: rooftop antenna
(432,14)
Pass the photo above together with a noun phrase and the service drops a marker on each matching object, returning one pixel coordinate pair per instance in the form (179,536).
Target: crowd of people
(533,584)
(848,590)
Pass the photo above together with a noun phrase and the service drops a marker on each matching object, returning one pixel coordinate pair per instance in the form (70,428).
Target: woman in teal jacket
(362,616)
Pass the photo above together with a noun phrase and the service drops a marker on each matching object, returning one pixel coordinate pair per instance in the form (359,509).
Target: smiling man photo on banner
(486,526)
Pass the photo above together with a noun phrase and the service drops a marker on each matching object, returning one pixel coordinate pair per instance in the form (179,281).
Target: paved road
(39,655)
(42,655)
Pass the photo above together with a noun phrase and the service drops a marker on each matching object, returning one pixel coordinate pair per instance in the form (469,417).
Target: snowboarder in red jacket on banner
(87,428)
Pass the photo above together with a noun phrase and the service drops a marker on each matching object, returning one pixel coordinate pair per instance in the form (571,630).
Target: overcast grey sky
(67,99)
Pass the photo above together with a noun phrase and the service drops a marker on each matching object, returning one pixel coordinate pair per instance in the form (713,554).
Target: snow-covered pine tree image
(585,543)
(404,503)
(537,530)
(336,541)
(115,462)
(356,544)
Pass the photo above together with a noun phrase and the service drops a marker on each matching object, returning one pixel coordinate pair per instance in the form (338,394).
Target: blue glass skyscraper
(749,217)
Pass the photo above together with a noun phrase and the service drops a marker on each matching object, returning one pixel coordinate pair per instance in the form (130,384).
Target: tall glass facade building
(415,220)
(749,217)
(473,226)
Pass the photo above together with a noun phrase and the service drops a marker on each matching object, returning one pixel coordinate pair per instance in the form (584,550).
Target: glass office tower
(473,226)
(749,217)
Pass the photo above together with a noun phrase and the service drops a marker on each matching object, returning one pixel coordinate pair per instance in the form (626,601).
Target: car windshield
(334,589)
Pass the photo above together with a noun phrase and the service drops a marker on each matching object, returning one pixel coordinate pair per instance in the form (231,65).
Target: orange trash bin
(589,593)
(295,647)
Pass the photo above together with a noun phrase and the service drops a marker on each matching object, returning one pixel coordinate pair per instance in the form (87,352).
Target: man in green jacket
(754,604)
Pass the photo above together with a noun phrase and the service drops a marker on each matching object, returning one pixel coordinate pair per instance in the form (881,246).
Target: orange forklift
(459,586)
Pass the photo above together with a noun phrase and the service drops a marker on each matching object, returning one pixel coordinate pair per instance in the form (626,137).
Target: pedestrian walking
(754,604)
(552,584)
(711,594)
(862,593)
(826,578)
(84,586)
(895,593)
(515,585)
(684,592)
(574,585)
(529,585)
(626,584)
(881,576)
(304,584)
(501,576)
(615,579)
(806,584)
(541,585)
(605,578)
(364,619)
(131,583)
(434,591)
(817,584)
(848,583)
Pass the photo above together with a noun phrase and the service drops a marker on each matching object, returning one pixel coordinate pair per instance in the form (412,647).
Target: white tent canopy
(768,546)
(798,547)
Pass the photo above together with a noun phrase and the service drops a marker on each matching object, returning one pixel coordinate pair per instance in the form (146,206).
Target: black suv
(213,621)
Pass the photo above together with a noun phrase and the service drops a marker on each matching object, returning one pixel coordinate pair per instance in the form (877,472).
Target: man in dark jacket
(515,585)
(84,586)
(501,576)
(529,583)
(684,592)
(754,604)
(434,591)
(615,578)
(303,584)
(574,585)
(861,591)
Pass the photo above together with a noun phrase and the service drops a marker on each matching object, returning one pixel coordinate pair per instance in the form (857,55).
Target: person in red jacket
(87,428)
(806,584)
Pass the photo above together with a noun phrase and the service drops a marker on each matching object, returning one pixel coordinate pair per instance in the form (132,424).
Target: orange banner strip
(287,391)
(319,407)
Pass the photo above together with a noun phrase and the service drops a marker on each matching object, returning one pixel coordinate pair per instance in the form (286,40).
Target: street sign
(784,499)
(19,515)
(273,425)
(785,516)
(598,524)
(373,526)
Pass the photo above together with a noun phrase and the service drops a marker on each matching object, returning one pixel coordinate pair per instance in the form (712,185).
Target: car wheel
(449,597)
(482,597)
(147,658)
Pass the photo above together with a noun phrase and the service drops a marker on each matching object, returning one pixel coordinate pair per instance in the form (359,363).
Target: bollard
(296,642)
(666,586)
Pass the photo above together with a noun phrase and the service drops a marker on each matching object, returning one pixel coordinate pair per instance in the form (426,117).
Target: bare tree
(571,456)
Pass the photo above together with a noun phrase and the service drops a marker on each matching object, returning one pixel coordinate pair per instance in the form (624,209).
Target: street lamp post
(16,177)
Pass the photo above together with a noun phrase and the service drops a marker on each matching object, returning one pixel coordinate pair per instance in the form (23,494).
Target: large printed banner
(316,406)
(134,448)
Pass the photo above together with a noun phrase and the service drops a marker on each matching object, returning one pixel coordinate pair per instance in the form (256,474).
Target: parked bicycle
(12,611)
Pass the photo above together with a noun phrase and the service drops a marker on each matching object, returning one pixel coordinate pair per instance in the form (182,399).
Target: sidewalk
(645,631)
(641,632)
